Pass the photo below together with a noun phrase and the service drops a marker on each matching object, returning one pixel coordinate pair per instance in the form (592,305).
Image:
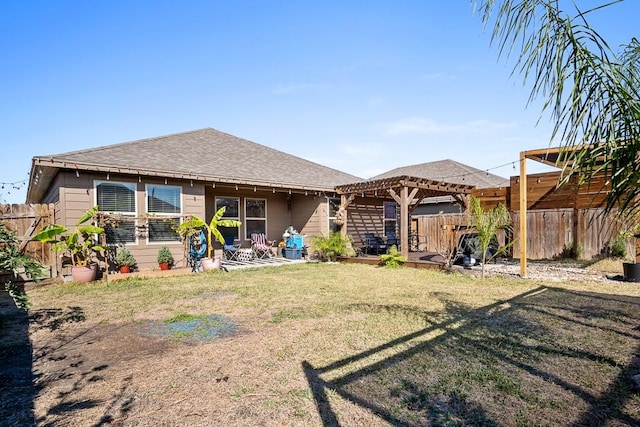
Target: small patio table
(245,254)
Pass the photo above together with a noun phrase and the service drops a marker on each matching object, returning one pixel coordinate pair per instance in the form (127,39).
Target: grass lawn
(332,344)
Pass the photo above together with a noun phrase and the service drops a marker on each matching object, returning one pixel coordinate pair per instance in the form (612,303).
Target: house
(149,185)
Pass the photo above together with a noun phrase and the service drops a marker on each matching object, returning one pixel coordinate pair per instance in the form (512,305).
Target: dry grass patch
(328,344)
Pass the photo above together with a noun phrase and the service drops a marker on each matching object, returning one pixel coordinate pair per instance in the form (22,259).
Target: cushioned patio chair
(261,246)
(392,239)
(230,249)
(374,244)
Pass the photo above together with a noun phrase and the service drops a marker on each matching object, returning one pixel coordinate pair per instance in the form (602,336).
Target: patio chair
(392,239)
(374,243)
(261,246)
(229,249)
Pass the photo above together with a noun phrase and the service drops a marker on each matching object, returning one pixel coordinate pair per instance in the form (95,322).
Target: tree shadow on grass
(16,378)
(548,356)
(19,384)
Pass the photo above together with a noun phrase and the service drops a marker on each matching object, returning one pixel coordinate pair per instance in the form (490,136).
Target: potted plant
(165,258)
(80,246)
(195,222)
(125,260)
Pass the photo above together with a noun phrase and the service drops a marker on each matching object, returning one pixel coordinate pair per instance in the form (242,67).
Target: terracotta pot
(125,269)
(164,266)
(84,274)
(210,263)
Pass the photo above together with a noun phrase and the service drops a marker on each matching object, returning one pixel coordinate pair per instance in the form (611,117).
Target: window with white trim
(164,206)
(119,199)
(232,211)
(334,205)
(255,216)
(390,218)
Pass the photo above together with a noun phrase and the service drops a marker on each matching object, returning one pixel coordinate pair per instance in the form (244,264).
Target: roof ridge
(118,144)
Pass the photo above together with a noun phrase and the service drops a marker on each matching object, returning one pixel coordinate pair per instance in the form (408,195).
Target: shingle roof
(210,154)
(448,171)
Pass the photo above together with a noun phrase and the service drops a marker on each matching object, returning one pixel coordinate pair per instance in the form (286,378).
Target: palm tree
(592,92)
(486,224)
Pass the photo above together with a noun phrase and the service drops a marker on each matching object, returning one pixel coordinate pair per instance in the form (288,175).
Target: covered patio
(407,191)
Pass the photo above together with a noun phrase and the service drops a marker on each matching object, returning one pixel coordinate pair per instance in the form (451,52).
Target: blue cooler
(292,253)
(295,241)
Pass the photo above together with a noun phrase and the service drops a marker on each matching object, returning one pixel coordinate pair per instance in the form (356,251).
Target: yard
(323,344)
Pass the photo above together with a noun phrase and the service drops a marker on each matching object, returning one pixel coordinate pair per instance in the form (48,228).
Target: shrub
(332,247)
(165,256)
(571,251)
(619,248)
(11,261)
(393,259)
(124,257)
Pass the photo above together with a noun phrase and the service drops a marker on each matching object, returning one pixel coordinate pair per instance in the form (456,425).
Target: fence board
(27,220)
(551,232)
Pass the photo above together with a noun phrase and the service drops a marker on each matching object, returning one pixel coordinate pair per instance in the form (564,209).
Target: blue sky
(363,87)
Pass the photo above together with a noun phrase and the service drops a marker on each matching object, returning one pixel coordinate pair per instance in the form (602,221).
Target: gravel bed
(547,271)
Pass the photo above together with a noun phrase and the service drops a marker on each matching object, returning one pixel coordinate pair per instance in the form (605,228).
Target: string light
(485,171)
(14,185)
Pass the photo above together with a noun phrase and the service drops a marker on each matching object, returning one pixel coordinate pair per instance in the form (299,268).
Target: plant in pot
(80,246)
(164,258)
(125,260)
(630,269)
(195,223)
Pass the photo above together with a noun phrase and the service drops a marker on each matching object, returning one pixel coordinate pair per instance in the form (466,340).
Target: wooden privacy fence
(551,232)
(26,221)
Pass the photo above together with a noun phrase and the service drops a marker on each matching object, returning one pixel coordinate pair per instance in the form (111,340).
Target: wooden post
(404,222)
(344,203)
(523,215)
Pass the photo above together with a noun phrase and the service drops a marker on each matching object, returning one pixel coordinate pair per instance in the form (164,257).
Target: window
(232,212)
(164,204)
(255,214)
(118,198)
(334,205)
(390,217)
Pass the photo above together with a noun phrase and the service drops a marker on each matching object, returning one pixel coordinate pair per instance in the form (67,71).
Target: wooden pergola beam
(403,190)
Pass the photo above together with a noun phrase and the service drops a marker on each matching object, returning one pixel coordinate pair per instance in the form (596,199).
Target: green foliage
(124,257)
(80,245)
(619,248)
(331,247)
(12,261)
(194,223)
(592,92)
(393,259)
(571,251)
(164,256)
(486,224)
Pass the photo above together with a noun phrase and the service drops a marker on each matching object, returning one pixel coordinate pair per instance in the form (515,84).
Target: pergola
(407,191)
(559,157)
